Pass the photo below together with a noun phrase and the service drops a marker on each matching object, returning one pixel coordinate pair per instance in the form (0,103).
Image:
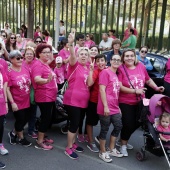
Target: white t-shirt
(62,29)
(106,44)
(2,42)
(8,31)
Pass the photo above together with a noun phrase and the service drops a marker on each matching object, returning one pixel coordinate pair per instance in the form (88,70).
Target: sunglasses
(12,38)
(38,41)
(19,58)
(144,52)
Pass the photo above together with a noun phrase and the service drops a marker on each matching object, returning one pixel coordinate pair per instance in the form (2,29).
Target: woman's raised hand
(92,65)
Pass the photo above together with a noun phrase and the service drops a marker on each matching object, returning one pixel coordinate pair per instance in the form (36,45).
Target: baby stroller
(59,115)
(152,142)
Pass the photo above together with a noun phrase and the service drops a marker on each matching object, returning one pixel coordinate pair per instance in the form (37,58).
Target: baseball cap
(58,60)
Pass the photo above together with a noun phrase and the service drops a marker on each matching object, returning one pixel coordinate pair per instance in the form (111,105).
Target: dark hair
(61,21)
(2,31)
(79,36)
(40,47)
(132,31)
(90,36)
(62,44)
(21,30)
(37,38)
(23,26)
(123,56)
(94,46)
(143,47)
(8,42)
(100,56)
(113,31)
(46,33)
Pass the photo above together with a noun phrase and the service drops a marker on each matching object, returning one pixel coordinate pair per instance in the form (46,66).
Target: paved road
(21,158)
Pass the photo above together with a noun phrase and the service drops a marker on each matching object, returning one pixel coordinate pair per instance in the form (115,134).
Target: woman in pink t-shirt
(167,79)
(133,76)
(89,40)
(18,92)
(3,106)
(77,94)
(108,108)
(45,88)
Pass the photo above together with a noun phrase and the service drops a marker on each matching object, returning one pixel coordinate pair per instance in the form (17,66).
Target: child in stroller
(158,104)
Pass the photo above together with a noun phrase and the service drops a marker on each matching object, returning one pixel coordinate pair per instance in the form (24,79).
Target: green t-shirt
(132,41)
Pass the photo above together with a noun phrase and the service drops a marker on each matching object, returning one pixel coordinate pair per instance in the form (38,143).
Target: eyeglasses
(38,41)
(46,52)
(12,38)
(19,58)
(18,36)
(144,52)
(29,54)
(116,60)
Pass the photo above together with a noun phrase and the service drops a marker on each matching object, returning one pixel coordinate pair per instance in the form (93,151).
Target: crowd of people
(104,85)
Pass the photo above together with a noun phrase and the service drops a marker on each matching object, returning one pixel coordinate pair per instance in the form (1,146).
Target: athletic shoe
(3,151)
(24,142)
(129,146)
(70,153)
(12,138)
(80,138)
(115,153)
(86,138)
(2,165)
(92,147)
(123,150)
(47,140)
(33,135)
(45,146)
(77,148)
(97,139)
(105,157)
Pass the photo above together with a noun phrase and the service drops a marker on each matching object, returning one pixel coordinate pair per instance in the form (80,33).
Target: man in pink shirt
(126,33)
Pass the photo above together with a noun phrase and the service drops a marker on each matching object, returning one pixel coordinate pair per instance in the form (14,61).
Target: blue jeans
(105,121)
(32,120)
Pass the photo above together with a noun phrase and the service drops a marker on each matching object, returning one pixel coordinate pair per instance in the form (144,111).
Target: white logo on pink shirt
(24,84)
(1,81)
(116,87)
(136,82)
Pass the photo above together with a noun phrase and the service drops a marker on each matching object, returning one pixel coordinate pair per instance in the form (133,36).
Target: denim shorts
(105,121)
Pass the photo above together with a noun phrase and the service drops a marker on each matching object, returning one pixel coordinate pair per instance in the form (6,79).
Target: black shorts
(92,117)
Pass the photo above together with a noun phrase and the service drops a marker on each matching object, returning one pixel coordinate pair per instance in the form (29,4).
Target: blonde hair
(81,49)
(164,115)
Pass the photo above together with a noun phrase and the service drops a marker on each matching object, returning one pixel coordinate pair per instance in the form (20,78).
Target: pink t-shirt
(37,34)
(89,43)
(44,92)
(29,66)
(60,72)
(19,83)
(77,93)
(167,76)
(3,79)
(137,76)
(162,129)
(64,54)
(4,64)
(109,79)
(126,33)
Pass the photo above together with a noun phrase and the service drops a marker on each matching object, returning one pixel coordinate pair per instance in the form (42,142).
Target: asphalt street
(22,158)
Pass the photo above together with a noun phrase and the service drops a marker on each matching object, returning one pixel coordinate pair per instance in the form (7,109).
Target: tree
(30,18)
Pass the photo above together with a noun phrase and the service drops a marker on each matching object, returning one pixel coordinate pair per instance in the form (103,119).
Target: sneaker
(97,139)
(70,153)
(80,138)
(86,138)
(45,146)
(12,138)
(24,142)
(48,140)
(92,147)
(77,148)
(33,135)
(2,165)
(105,157)
(129,146)
(115,153)
(123,150)
(3,151)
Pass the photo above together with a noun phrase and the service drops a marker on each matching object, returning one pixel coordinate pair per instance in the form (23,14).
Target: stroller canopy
(155,109)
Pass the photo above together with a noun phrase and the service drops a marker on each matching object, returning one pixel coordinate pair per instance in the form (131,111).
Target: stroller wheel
(140,156)
(64,129)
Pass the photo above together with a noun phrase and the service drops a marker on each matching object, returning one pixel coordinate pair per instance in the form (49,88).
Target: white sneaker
(3,151)
(123,150)
(105,157)
(115,152)
(129,146)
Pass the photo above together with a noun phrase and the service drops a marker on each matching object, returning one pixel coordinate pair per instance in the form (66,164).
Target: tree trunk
(30,18)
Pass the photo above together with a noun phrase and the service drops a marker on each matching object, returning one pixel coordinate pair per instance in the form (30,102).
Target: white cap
(58,59)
